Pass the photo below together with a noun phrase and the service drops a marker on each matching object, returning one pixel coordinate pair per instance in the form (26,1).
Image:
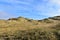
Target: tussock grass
(28,29)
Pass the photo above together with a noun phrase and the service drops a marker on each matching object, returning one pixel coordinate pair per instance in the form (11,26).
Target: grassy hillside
(28,29)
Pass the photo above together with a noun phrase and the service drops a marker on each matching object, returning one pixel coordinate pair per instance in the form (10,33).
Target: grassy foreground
(33,34)
(26,29)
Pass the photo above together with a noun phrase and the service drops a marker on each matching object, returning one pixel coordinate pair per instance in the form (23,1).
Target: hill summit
(21,28)
(55,17)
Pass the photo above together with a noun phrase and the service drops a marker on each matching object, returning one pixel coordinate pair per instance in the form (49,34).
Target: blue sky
(35,9)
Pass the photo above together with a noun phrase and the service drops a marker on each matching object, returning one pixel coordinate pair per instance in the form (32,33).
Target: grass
(33,34)
(28,29)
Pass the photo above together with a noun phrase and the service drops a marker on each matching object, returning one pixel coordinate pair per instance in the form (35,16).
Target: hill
(21,28)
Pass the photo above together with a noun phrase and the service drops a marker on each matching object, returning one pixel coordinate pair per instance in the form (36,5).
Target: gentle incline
(28,29)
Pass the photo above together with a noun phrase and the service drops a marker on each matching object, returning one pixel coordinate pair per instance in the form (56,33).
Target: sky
(34,9)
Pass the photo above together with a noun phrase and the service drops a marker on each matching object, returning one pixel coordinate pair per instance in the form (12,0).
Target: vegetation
(28,29)
(55,18)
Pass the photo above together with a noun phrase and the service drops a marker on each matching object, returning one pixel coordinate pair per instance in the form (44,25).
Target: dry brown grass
(28,29)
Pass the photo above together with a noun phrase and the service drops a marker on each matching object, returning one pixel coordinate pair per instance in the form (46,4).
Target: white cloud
(4,15)
(26,2)
(20,2)
(39,7)
(55,1)
(58,10)
(51,8)
(45,8)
